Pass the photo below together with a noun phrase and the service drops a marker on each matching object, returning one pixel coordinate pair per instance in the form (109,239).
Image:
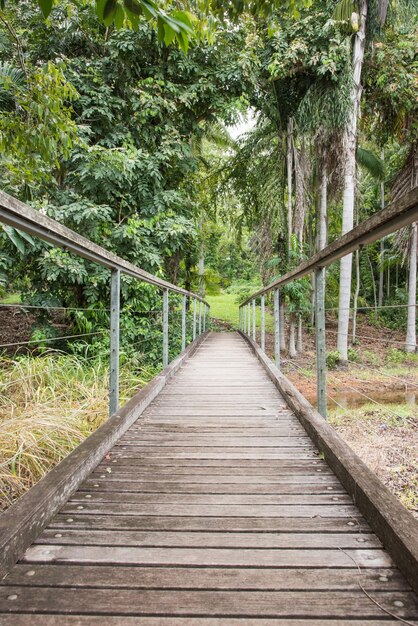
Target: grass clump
(48,405)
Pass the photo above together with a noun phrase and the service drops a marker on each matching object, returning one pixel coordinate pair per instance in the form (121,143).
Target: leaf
(45,6)
(134,7)
(109,12)
(371,163)
(14,237)
(119,17)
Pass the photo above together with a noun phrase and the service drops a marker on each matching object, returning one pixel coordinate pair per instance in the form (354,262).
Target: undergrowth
(48,405)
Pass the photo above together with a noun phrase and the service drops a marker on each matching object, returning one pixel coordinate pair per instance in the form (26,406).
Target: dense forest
(118,120)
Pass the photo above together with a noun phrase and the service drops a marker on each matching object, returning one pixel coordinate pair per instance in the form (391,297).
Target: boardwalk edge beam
(392,523)
(28,516)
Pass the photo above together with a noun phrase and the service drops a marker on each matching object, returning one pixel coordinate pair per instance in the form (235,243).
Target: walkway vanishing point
(214,507)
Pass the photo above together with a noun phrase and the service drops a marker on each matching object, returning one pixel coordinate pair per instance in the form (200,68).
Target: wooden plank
(242,604)
(270,579)
(208,539)
(199,510)
(209,499)
(205,557)
(318,524)
(142,475)
(181,487)
(127,620)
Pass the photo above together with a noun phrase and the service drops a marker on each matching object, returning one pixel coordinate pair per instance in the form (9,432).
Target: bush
(396,356)
(353,355)
(333,359)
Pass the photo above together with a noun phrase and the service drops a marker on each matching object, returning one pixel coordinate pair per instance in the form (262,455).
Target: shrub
(333,359)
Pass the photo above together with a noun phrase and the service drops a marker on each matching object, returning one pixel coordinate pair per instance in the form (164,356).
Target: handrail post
(114,341)
(249,319)
(204,317)
(321,365)
(165,327)
(200,317)
(194,319)
(183,323)
(244,308)
(276,328)
(240,317)
(263,328)
(254,320)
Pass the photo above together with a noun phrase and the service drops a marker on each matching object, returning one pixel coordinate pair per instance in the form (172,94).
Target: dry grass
(387,444)
(48,405)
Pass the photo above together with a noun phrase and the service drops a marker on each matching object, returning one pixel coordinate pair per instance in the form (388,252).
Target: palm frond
(372,163)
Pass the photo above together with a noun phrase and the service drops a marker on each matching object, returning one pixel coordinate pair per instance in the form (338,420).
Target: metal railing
(19,215)
(395,216)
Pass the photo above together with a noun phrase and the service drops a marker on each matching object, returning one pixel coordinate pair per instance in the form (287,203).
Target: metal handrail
(396,215)
(15,213)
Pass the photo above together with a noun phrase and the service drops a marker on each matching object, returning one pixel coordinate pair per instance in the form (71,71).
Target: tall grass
(48,405)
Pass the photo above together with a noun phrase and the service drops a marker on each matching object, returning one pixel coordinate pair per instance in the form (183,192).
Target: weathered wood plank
(242,604)
(190,510)
(83,519)
(270,579)
(208,539)
(181,487)
(127,620)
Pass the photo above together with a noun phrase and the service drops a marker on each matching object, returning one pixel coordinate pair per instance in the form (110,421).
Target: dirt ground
(17,325)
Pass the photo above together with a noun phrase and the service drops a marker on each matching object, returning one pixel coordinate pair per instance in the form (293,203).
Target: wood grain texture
(214,509)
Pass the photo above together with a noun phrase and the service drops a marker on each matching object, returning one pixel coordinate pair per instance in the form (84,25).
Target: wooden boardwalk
(214,508)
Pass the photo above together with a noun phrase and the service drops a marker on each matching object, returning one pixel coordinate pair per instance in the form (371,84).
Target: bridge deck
(214,508)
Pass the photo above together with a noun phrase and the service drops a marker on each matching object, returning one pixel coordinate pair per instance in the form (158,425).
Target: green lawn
(225,307)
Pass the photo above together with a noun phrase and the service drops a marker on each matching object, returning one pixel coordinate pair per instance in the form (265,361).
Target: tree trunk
(299,341)
(323,209)
(292,347)
(281,325)
(289,161)
(382,242)
(349,183)
(411,338)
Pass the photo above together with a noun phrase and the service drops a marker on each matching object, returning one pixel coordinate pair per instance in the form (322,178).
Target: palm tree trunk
(411,338)
(292,347)
(289,161)
(281,326)
(299,341)
(349,184)
(323,209)
(382,242)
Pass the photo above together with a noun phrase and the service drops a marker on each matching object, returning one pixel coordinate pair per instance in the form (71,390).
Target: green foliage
(333,359)
(395,356)
(36,126)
